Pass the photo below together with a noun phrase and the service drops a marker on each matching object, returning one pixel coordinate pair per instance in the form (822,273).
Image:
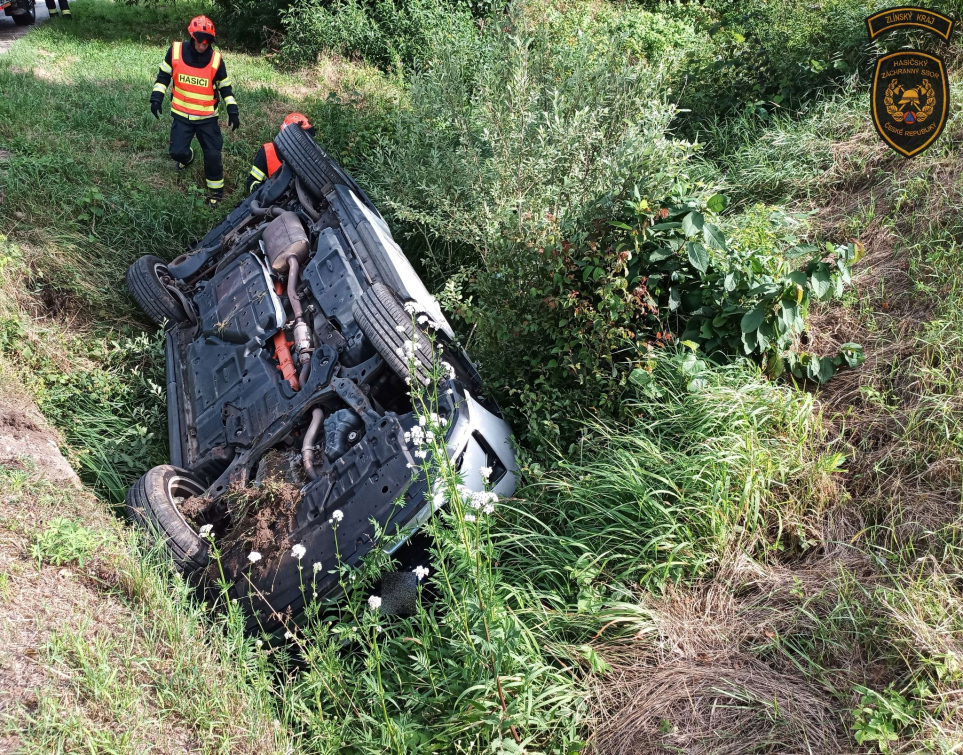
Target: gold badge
(910,100)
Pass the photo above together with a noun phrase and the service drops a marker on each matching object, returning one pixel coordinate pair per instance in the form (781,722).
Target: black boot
(215,197)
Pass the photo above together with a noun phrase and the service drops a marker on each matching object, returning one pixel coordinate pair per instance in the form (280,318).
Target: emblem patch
(921,18)
(910,100)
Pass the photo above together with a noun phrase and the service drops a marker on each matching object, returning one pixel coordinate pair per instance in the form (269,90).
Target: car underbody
(285,367)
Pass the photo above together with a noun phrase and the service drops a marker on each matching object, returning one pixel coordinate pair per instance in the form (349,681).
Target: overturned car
(288,395)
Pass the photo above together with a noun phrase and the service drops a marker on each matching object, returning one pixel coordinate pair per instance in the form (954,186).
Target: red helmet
(300,118)
(201,25)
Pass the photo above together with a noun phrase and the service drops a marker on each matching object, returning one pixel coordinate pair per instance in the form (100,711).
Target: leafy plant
(727,298)
(65,541)
(881,717)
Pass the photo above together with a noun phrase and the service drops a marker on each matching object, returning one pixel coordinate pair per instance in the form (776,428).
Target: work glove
(156,103)
(233,119)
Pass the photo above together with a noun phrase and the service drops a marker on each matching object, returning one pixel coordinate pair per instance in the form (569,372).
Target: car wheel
(146,281)
(315,167)
(383,319)
(28,18)
(152,504)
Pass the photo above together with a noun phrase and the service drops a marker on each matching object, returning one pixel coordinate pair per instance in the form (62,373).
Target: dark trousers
(208,133)
(64,7)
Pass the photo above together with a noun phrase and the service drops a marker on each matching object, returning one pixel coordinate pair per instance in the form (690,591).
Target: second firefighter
(198,79)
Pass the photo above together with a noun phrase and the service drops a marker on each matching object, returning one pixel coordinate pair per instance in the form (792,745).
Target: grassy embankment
(785,563)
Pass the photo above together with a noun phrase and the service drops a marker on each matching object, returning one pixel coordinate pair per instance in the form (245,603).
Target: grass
(750,567)
(115,657)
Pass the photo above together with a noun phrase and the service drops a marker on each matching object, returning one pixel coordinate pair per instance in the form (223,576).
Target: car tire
(152,504)
(315,167)
(379,313)
(29,18)
(144,279)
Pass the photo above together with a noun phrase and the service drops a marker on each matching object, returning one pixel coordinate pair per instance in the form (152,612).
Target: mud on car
(288,391)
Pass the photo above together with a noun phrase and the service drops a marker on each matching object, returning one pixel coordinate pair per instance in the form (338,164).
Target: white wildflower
(422,420)
(253,557)
(421,572)
(412,308)
(489,509)
(205,531)
(400,328)
(469,517)
(374,602)
(429,436)
(259,643)
(298,551)
(449,370)
(421,454)
(434,419)
(485,472)
(288,635)
(422,319)
(337,515)
(317,567)
(438,500)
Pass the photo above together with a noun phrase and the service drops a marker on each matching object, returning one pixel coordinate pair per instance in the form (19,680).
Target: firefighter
(198,79)
(267,161)
(64,8)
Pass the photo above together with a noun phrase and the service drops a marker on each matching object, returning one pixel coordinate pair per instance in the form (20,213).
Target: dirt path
(10,32)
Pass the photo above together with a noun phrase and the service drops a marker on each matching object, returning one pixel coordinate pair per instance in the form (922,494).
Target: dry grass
(715,676)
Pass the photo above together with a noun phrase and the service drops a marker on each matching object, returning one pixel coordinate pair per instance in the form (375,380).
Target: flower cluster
(374,602)
(423,433)
(298,551)
(483,501)
(406,351)
(336,516)
(421,572)
(425,320)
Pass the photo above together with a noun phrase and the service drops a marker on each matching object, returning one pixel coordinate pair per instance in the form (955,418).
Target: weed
(65,541)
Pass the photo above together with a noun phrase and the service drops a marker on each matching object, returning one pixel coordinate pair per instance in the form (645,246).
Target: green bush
(253,23)
(502,142)
(517,165)
(575,327)
(382,32)
(765,54)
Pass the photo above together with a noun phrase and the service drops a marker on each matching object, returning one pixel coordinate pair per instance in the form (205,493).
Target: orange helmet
(300,118)
(201,25)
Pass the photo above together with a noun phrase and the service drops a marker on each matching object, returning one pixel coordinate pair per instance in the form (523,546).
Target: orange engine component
(282,351)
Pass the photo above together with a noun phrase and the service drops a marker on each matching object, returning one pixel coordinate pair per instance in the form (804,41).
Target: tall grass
(730,466)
